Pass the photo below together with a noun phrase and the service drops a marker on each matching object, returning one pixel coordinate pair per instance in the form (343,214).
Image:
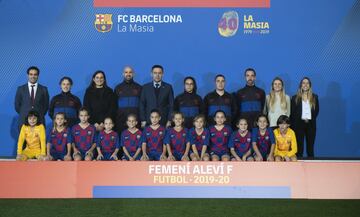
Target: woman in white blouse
(277,102)
(304,111)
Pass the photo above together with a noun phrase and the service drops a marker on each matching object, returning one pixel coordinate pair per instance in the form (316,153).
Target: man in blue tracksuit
(128,96)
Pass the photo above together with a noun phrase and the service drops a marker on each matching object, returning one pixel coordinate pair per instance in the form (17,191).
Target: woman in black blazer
(100,100)
(304,111)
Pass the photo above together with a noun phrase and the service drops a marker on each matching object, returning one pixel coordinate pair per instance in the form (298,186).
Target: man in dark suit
(156,95)
(31,96)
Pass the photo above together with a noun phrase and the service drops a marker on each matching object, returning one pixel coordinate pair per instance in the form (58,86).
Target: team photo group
(146,122)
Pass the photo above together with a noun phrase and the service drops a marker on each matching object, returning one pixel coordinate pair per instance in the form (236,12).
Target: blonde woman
(277,102)
(304,111)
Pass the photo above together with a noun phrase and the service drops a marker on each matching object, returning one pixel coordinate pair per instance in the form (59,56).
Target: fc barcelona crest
(103,22)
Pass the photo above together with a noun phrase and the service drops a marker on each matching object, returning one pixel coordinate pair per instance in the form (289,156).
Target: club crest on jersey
(225,133)
(266,137)
(248,139)
(112,138)
(184,134)
(103,22)
(77,132)
(65,135)
(138,136)
(212,134)
(126,137)
(89,132)
(203,137)
(160,133)
(172,135)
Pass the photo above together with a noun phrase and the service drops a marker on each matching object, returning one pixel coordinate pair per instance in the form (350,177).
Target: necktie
(32,95)
(157,85)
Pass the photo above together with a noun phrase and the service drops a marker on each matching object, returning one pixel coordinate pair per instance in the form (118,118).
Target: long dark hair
(92,83)
(193,79)
(311,97)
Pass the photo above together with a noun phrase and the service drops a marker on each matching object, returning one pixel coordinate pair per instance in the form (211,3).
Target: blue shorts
(264,155)
(242,154)
(83,154)
(219,154)
(178,155)
(154,156)
(57,155)
(250,156)
(126,158)
(199,152)
(107,156)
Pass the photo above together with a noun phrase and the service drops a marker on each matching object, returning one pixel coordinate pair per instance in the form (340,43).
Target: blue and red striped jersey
(59,140)
(199,140)
(240,144)
(154,139)
(176,140)
(263,142)
(108,142)
(83,138)
(219,139)
(131,141)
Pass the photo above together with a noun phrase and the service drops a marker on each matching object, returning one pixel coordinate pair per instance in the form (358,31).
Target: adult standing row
(304,111)
(66,102)
(219,99)
(100,100)
(129,97)
(250,99)
(159,95)
(31,96)
(189,103)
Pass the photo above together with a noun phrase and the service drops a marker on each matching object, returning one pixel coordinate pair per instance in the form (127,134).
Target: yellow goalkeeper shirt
(285,145)
(34,137)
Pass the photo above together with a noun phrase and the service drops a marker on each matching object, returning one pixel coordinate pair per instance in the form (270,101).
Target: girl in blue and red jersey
(176,139)
(59,139)
(263,140)
(240,142)
(131,140)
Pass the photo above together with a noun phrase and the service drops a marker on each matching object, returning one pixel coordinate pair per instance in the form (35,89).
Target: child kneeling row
(156,143)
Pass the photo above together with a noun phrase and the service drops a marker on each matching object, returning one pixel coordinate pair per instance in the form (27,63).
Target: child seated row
(157,143)
(32,134)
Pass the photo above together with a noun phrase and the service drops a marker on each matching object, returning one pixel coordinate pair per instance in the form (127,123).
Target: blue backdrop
(319,39)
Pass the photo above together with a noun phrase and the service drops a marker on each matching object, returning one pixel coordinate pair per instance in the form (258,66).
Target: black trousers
(307,131)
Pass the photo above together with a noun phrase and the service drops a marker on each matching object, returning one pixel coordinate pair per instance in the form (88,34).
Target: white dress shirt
(35,88)
(154,83)
(306,110)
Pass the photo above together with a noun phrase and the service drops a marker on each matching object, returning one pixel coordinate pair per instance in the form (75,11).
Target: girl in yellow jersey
(285,140)
(32,133)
